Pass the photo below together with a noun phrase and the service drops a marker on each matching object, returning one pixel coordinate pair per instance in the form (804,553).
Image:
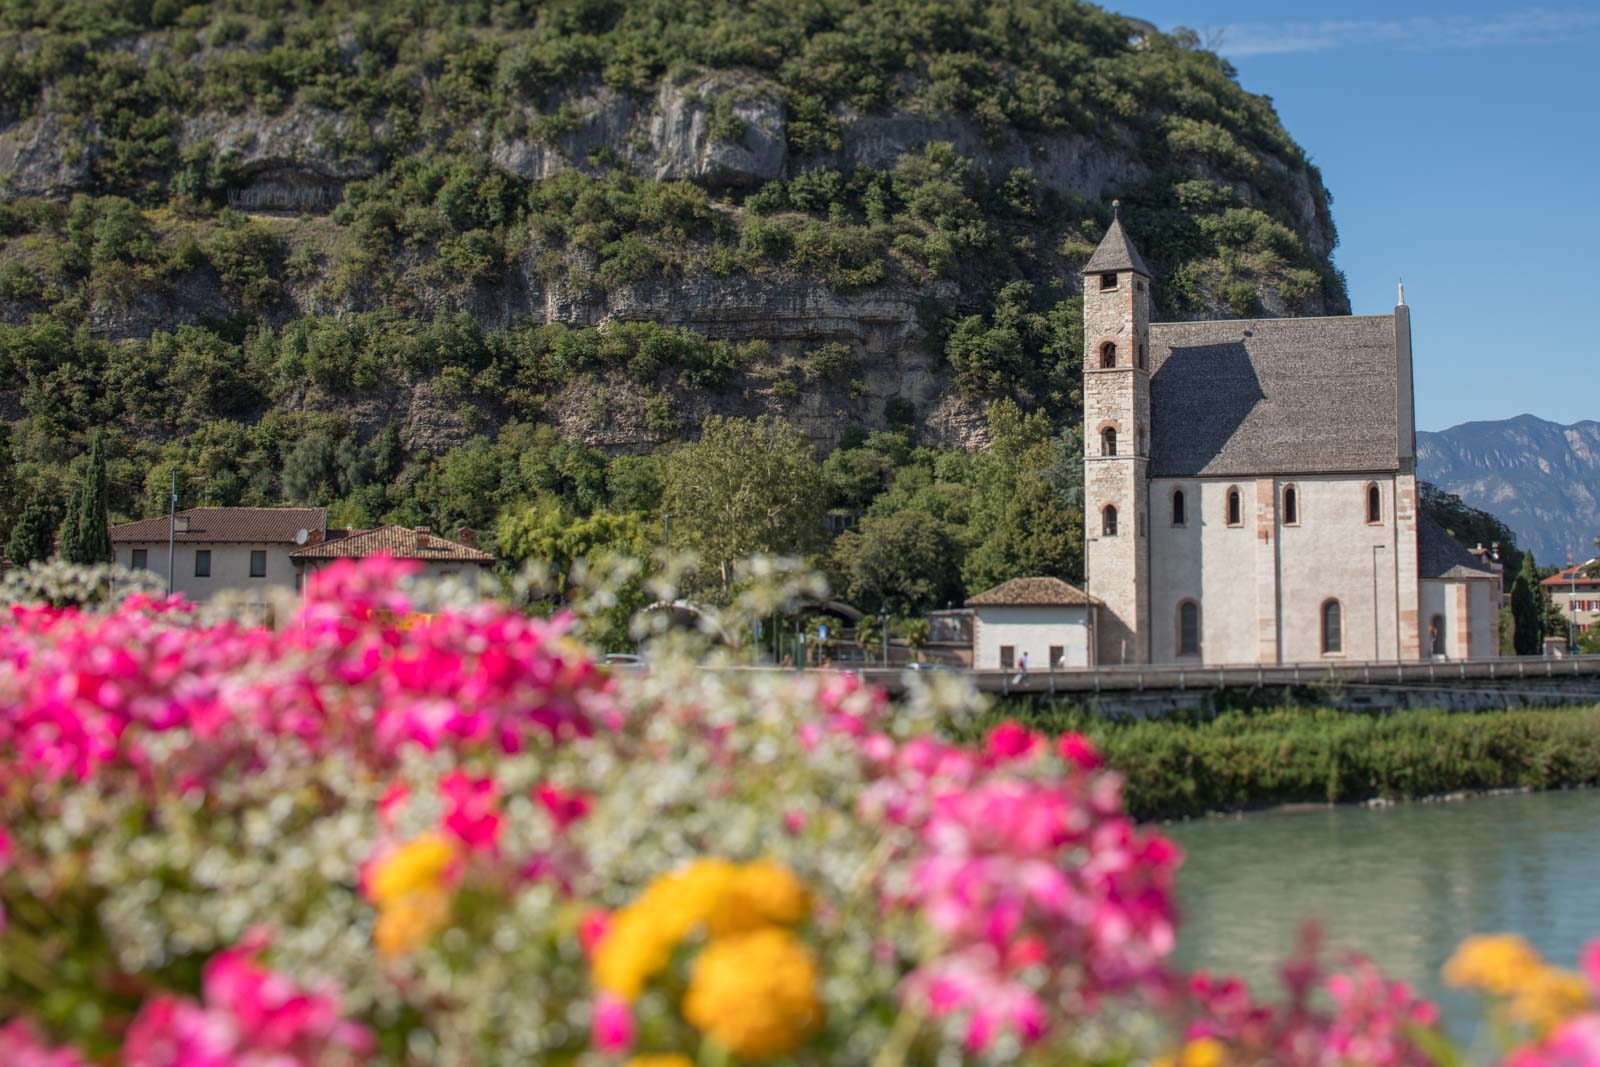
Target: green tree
(32,536)
(547,530)
(94,521)
(905,562)
(746,487)
(1526,614)
(10,483)
(69,546)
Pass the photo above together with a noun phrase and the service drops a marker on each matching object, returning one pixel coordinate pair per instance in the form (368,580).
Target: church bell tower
(1116,445)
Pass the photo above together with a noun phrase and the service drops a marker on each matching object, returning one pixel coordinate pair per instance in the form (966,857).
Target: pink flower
(22,1046)
(1589,960)
(1079,751)
(564,806)
(252,1017)
(1012,740)
(592,929)
(613,1023)
(472,810)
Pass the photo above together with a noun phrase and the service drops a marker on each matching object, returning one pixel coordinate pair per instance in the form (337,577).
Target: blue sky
(1461,142)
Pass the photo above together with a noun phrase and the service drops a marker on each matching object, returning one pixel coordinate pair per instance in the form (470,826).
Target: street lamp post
(883,628)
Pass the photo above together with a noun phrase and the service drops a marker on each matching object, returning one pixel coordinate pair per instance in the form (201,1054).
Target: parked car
(934,667)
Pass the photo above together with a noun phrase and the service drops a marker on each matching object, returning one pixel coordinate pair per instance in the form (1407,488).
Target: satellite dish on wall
(302,537)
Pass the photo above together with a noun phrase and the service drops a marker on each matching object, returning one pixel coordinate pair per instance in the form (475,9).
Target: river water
(1404,884)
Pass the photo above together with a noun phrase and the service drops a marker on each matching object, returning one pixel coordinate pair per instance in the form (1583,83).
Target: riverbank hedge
(1237,760)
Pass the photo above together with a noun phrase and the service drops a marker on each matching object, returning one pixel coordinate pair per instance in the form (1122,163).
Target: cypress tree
(69,549)
(1526,613)
(31,536)
(94,524)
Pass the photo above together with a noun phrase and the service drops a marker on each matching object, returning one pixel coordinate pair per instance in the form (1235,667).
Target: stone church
(1250,489)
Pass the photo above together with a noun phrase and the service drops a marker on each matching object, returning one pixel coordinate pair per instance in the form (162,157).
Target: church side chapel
(1250,489)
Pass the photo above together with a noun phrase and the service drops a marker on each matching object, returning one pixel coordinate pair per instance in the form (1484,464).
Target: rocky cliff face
(1539,478)
(1225,206)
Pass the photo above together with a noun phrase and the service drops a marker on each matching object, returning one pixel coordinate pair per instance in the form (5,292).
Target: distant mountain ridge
(1540,478)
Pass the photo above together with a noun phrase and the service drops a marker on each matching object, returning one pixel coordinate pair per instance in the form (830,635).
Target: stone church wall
(1261,585)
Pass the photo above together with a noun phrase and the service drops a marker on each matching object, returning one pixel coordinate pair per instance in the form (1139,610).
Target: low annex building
(1250,488)
(439,556)
(222,549)
(1040,623)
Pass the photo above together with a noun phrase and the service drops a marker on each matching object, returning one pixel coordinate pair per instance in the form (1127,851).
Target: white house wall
(230,569)
(1032,630)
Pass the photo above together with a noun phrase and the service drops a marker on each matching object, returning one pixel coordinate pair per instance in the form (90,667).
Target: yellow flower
(417,866)
(671,1059)
(759,894)
(1203,1052)
(642,936)
(755,994)
(1499,964)
(1549,998)
(407,923)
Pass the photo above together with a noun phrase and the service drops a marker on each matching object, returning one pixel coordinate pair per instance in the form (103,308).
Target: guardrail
(1183,678)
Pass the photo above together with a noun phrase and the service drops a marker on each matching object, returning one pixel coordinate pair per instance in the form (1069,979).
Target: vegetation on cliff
(468,335)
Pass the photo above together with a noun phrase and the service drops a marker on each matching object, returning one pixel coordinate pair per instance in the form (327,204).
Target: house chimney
(180,523)
(1495,551)
(422,529)
(467,536)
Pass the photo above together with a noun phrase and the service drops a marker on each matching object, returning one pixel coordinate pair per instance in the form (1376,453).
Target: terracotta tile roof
(1581,575)
(401,542)
(1273,396)
(1032,593)
(1441,556)
(228,526)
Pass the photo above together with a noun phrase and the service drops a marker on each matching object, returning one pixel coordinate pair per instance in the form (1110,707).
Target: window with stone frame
(1291,506)
(1008,656)
(1188,628)
(1332,628)
(1179,512)
(1108,280)
(1108,521)
(1108,441)
(1108,355)
(1235,507)
(1374,504)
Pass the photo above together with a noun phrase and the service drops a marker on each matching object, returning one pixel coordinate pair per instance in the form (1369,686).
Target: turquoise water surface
(1404,884)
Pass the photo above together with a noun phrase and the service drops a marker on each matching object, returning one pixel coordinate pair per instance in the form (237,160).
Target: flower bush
(373,837)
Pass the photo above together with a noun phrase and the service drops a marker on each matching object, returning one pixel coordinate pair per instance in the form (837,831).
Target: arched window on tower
(1291,506)
(1332,628)
(1108,355)
(1188,628)
(1235,507)
(1436,636)
(1179,518)
(1108,441)
(1108,521)
(1374,504)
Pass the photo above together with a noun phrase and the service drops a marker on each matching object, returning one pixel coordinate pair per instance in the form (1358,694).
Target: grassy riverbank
(1189,765)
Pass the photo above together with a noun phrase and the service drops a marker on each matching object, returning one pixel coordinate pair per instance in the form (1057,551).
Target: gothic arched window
(1374,504)
(1108,355)
(1108,521)
(1291,506)
(1235,507)
(1108,441)
(1436,636)
(1179,518)
(1332,628)
(1188,628)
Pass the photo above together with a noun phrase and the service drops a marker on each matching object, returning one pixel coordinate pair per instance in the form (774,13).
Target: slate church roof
(1242,397)
(1441,556)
